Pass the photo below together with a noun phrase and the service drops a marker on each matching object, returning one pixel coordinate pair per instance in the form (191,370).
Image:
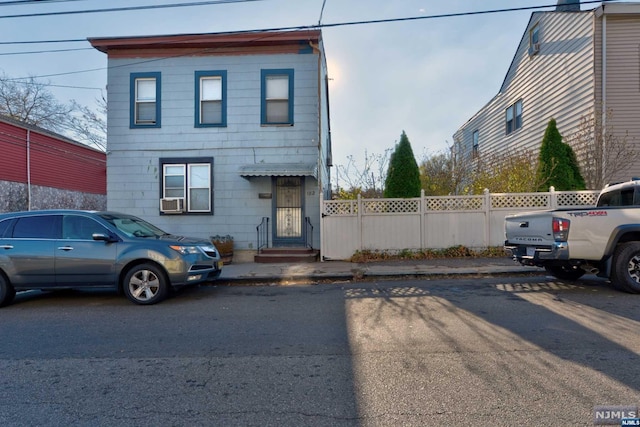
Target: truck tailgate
(533,228)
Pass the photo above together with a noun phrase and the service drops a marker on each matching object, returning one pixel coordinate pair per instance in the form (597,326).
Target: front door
(289,211)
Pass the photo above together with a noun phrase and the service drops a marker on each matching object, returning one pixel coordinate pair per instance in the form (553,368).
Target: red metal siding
(54,162)
(13,153)
(58,164)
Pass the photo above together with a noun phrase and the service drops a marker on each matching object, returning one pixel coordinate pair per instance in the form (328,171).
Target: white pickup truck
(568,243)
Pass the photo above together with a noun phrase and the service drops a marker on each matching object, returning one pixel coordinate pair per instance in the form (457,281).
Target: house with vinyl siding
(570,63)
(220,134)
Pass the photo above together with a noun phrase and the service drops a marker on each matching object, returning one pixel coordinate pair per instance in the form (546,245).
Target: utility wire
(339,24)
(319,25)
(24,2)
(125,9)
(324,2)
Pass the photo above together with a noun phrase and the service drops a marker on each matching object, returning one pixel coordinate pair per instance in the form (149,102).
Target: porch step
(290,255)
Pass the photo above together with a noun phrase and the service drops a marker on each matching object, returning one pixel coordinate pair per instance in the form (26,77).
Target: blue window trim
(263,95)
(213,73)
(186,161)
(132,99)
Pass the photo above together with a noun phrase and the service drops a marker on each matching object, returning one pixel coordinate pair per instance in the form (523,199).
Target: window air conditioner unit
(171,205)
(534,49)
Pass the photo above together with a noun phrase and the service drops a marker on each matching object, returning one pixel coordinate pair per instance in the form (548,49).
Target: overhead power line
(26,2)
(319,26)
(124,9)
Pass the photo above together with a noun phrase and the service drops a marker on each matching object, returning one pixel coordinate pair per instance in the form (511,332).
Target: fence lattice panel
(391,206)
(520,200)
(460,203)
(577,198)
(341,207)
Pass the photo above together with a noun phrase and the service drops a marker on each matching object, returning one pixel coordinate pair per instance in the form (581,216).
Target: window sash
(474,147)
(277,87)
(211,88)
(277,97)
(199,187)
(174,181)
(513,117)
(145,101)
(211,112)
(210,98)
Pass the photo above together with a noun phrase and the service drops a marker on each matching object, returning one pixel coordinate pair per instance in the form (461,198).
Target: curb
(372,275)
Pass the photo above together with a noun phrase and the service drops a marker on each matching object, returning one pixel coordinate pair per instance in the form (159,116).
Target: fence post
(487,217)
(359,223)
(554,197)
(423,220)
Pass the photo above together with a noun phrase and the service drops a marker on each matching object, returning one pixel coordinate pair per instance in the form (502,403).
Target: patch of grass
(411,254)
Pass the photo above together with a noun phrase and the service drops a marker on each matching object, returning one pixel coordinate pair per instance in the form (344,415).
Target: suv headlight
(185,250)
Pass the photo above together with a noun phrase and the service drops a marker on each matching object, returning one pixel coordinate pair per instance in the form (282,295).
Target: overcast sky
(426,77)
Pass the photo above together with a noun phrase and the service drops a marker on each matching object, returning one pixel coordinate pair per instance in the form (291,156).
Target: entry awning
(279,169)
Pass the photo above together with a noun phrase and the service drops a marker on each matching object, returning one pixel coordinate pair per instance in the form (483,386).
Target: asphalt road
(491,352)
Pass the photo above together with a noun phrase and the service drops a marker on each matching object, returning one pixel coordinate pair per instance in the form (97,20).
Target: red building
(40,169)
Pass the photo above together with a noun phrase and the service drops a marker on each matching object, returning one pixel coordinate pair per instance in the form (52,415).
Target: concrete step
(286,254)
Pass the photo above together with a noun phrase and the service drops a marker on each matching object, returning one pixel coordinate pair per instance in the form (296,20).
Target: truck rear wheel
(565,271)
(625,273)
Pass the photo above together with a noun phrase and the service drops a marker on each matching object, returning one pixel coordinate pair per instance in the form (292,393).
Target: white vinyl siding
(557,83)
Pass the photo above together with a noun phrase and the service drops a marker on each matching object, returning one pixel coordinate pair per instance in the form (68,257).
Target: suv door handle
(65,248)
(6,246)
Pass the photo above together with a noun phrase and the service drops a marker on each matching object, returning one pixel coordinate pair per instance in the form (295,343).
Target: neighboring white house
(569,64)
(210,133)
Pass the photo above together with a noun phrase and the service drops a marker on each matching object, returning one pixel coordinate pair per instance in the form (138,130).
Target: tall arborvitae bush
(557,164)
(403,176)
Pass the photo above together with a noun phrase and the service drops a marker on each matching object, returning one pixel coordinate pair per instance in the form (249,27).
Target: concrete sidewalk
(342,270)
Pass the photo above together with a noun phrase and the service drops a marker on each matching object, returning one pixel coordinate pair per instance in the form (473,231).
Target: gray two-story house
(215,134)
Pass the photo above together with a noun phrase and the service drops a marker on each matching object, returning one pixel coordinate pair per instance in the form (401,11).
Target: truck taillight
(560,229)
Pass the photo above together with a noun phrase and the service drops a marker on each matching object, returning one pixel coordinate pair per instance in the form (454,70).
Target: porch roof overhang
(279,169)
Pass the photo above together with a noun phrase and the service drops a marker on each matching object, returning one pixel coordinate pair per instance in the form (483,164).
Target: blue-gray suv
(61,249)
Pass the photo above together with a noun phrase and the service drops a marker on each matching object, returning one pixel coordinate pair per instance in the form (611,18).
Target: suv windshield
(133,226)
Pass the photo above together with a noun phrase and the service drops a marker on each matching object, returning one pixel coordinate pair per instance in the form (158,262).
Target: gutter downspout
(28,169)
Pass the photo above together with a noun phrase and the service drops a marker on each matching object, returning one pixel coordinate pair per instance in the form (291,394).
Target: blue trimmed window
(211,98)
(276,97)
(145,100)
(189,180)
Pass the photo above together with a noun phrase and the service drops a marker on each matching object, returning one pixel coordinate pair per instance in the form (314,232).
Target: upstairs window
(534,35)
(514,117)
(534,40)
(277,97)
(211,102)
(145,100)
(190,181)
(475,148)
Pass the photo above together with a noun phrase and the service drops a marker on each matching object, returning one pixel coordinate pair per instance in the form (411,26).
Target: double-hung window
(211,102)
(277,97)
(514,117)
(145,100)
(190,180)
(476,141)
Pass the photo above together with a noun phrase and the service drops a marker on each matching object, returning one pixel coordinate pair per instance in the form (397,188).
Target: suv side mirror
(104,237)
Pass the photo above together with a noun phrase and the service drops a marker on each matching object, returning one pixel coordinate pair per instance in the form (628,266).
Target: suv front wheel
(145,284)
(7,292)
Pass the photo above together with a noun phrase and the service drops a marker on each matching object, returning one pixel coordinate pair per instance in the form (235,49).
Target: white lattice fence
(521,200)
(431,222)
(570,199)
